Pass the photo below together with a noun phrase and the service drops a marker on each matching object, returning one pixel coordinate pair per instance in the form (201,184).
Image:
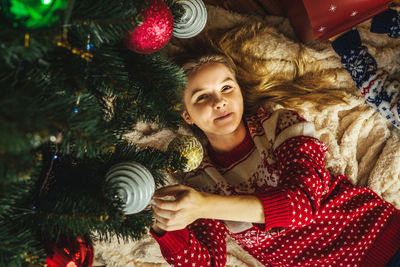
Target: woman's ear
(186,117)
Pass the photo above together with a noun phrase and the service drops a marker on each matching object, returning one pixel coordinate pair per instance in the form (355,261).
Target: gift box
(322,19)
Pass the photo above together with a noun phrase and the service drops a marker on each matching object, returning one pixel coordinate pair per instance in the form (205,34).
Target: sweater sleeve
(303,179)
(379,90)
(201,243)
(387,22)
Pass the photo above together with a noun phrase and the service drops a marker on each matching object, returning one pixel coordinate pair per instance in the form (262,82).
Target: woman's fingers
(167,204)
(167,214)
(166,221)
(177,204)
(160,219)
(171,190)
(169,218)
(180,212)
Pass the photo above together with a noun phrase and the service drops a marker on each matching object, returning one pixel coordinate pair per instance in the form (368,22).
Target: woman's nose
(219,102)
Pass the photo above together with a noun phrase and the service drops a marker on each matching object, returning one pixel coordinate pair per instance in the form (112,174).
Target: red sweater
(312,218)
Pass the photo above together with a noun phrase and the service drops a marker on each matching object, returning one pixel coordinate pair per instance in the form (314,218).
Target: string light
(85,55)
(27,38)
(71,264)
(46,2)
(88,44)
(100,218)
(32,260)
(177,107)
(78,100)
(53,139)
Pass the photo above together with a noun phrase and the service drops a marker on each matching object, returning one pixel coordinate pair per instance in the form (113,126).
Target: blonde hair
(193,65)
(258,83)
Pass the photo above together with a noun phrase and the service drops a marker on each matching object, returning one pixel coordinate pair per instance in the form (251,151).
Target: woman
(263,182)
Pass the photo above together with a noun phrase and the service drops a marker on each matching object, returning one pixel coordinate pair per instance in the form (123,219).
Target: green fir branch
(63,114)
(153,76)
(17,243)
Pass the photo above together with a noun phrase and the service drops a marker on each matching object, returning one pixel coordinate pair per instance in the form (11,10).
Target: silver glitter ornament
(193,20)
(134,183)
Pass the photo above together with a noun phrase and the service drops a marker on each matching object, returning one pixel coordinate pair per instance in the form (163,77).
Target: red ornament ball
(71,252)
(155,31)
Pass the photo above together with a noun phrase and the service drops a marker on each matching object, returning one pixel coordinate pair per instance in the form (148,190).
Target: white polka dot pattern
(311,218)
(206,245)
(303,176)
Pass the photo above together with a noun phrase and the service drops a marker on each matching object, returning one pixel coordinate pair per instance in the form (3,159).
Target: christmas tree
(71,89)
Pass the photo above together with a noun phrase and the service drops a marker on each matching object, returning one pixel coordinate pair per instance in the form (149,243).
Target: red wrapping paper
(322,19)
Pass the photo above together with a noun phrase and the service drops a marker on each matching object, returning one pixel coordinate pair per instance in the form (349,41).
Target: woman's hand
(171,215)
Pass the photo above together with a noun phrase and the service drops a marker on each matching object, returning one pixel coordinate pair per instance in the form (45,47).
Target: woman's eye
(226,88)
(200,98)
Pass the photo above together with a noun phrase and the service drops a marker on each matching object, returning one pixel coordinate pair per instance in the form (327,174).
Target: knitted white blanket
(362,144)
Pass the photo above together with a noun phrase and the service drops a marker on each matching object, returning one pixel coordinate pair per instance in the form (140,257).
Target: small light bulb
(55,157)
(71,264)
(76,110)
(46,2)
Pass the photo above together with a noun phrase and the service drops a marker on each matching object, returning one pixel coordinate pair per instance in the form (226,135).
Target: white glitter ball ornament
(134,183)
(193,20)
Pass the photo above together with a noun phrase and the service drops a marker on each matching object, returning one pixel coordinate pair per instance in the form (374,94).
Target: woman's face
(213,100)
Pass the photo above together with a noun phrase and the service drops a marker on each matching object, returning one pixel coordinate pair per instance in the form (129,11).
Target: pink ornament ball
(155,31)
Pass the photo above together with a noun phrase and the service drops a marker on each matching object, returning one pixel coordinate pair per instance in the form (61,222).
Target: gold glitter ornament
(187,147)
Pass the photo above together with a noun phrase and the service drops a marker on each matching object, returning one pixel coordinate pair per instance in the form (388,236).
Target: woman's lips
(225,116)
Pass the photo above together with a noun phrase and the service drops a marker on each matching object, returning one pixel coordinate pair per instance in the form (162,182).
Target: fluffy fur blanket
(362,144)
